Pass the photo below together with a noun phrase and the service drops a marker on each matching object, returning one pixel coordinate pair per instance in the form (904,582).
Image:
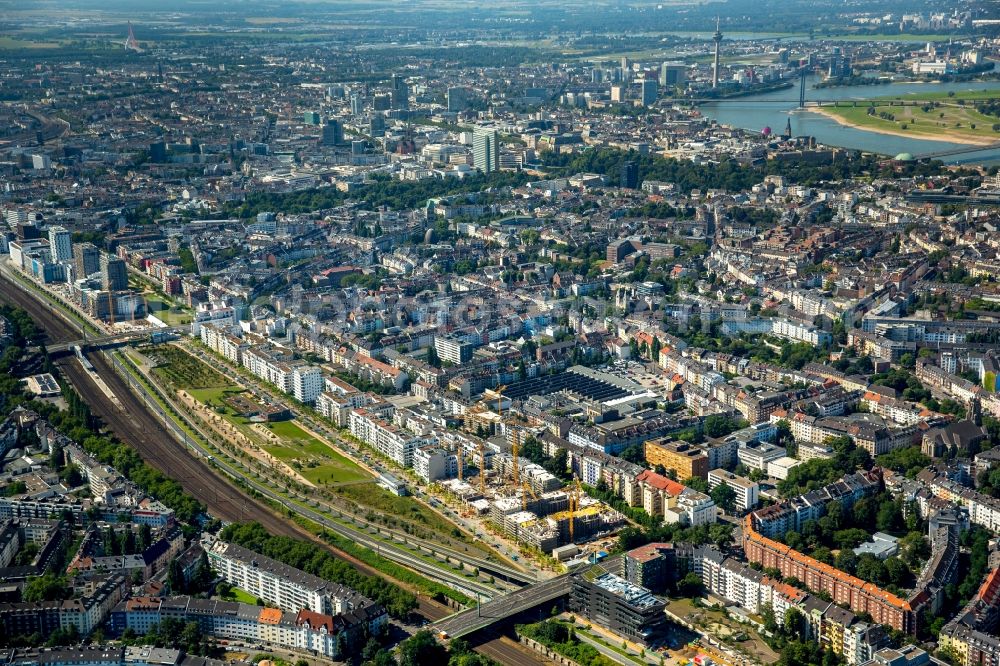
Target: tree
(847,561)
(849,538)
(532,450)
(897,572)
(203,575)
(422,649)
(432,358)
(175,577)
(634,454)
(770,621)
(720,425)
(721,534)
(384,658)
(871,569)
(691,585)
(724,497)
(793,622)
(47,587)
(57,459)
(784,431)
(371,648)
(889,517)
(558,464)
(698,483)
(823,554)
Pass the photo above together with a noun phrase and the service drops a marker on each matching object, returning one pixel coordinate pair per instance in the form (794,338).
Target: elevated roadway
(497,610)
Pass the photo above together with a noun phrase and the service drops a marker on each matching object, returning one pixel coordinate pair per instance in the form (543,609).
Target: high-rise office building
(400,92)
(649,92)
(114,273)
(60,244)
(630,175)
(486,149)
(86,260)
(357,105)
(458,99)
(673,74)
(333,132)
(158,151)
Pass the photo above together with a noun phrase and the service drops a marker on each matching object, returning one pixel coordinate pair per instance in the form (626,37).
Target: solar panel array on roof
(579,384)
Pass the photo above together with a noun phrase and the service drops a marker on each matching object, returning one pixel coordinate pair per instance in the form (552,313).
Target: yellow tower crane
(574,504)
(499,391)
(461,465)
(525,490)
(515,449)
(482,468)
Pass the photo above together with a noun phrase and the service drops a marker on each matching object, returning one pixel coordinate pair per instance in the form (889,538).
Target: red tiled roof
(660,482)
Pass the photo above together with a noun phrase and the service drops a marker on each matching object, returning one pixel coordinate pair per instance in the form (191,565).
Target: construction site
(528,503)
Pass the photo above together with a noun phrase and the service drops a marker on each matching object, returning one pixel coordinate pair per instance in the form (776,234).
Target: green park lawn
(950,117)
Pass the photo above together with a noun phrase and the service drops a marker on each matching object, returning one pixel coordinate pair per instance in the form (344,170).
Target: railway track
(135,426)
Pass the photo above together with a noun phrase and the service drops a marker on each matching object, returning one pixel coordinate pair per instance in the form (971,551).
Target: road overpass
(107,340)
(499,609)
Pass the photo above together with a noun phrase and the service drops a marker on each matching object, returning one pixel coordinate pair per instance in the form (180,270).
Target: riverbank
(848,117)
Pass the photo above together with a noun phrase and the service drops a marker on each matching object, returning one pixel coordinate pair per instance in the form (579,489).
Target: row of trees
(561,638)
(78,424)
(719,534)
(395,194)
(176,634)
(422,649)
(729,174)
(23,333)
(126,541)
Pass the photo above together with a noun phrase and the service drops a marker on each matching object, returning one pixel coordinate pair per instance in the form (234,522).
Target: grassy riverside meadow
(928,115)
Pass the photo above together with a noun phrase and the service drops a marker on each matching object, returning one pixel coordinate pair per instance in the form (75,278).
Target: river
(773,109)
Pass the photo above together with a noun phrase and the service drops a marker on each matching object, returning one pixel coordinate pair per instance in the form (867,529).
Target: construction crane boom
(515,447)
(525,490)
(482,468)
(574,504)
